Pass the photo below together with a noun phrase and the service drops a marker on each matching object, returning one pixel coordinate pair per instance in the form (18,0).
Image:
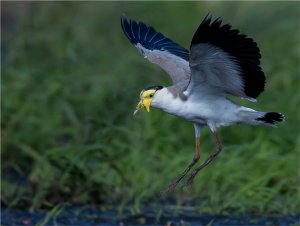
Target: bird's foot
(191,178)
(174,184)
(169,189)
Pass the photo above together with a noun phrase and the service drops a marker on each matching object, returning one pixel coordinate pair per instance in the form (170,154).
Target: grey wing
(224,61)
(158,49)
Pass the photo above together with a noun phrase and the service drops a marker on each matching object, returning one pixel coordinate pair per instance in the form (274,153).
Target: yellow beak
(144,103)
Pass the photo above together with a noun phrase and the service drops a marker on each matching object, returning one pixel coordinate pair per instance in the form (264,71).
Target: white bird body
(214,110)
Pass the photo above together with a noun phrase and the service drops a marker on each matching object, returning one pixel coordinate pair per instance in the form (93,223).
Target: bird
(220,62)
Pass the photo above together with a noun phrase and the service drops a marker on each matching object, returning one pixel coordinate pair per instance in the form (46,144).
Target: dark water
(94,216)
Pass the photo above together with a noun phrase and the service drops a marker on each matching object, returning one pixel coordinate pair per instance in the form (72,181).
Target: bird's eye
(151,95)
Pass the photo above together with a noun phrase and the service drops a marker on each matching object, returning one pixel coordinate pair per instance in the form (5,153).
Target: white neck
(166,101)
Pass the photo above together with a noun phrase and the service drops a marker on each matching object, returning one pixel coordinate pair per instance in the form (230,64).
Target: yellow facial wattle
(146,99)
(147,103)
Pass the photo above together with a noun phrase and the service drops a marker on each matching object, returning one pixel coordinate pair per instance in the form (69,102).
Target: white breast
(174,105)
(219,110)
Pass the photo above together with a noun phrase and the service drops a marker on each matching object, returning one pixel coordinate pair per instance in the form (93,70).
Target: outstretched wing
(225,61)
(158,49)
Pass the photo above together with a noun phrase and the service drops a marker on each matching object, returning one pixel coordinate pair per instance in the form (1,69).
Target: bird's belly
(202,112)
(194,112)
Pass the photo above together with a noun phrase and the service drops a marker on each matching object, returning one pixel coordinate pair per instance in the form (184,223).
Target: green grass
(70,83)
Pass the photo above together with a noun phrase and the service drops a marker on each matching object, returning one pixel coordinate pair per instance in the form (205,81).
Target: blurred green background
(70,83)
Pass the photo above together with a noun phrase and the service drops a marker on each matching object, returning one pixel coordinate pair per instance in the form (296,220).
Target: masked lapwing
(221,61)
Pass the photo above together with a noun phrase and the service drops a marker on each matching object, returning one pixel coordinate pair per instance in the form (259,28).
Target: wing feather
(158,49)
(225,60)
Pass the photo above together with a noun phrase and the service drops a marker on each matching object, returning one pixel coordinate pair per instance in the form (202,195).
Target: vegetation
(70,83)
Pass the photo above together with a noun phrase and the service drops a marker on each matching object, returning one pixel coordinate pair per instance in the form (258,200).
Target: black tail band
(271,117)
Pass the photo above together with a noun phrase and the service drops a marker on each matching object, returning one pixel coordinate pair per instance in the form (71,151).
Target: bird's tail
(271,118)
(252,117)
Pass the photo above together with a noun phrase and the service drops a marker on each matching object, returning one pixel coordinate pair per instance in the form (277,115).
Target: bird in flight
(221,61)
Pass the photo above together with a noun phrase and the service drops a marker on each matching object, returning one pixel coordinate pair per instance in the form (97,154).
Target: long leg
(196,158)
(209,159)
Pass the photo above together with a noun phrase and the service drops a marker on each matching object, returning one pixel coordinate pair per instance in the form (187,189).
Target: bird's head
(147,95)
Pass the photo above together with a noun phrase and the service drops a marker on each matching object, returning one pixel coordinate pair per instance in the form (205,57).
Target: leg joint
(196,158)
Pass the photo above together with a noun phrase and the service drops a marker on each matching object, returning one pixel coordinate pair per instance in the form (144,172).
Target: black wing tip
(129,27)
(149,38)
(272,117)
(254,86)
(209,25)
(123,17)
(207,19)
(123,20)
(242,48)
(125,27)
